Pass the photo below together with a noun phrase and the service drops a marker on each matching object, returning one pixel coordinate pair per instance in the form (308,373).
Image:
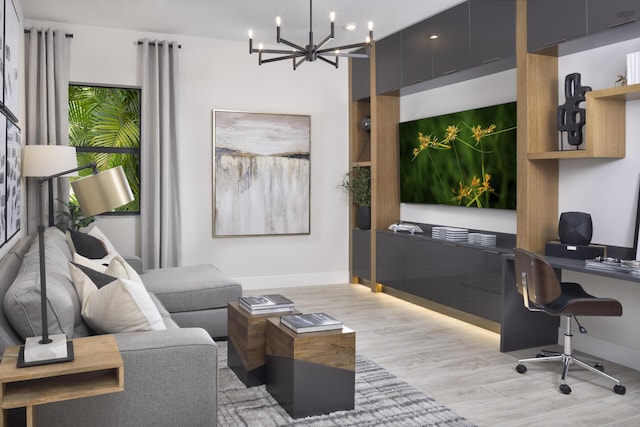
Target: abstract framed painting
(261,174)
(13,190)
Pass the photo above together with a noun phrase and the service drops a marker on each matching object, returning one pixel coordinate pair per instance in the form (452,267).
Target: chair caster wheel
(599,367)
(619,389)
(565,389)
(522,369)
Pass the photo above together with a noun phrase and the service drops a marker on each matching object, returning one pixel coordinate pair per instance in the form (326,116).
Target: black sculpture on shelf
(571,118)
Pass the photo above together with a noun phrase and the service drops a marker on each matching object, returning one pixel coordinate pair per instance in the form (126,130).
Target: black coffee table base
(303,388)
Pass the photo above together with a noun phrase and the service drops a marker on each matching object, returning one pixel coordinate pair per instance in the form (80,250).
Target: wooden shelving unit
(378,150)
(538,155)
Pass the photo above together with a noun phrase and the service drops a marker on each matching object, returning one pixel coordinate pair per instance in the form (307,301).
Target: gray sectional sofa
(170,375)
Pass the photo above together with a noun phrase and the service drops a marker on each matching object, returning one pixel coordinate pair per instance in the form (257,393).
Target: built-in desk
(521,328)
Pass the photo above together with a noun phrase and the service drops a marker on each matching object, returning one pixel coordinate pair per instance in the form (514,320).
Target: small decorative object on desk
(313,322)
(261,304)
(614,264)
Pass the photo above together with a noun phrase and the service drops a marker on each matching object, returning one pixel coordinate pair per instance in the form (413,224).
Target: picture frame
(3,180)
(2,19)
(261,174)
(13,190)
(11,58)
(636,245)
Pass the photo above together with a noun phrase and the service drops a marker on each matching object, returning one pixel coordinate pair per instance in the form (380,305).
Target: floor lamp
(96,193)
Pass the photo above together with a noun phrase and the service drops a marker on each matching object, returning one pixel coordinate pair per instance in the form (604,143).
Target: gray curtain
(47,92)
(159,196)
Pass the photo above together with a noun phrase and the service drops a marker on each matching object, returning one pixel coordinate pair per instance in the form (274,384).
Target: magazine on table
(266,304)
(313,322)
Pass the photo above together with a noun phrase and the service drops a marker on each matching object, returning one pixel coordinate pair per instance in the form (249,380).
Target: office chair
(542,291)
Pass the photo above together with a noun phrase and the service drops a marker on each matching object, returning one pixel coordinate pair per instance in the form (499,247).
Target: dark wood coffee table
(245,348)
(311,373)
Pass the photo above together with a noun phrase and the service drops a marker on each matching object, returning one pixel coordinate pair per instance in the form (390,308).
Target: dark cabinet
(389,255)
(483,281)
(451,47)
(466,278)
(551,22)
(361,253)
(389,63)
(603,15)
(492,30)
(417,54)
(360,78)
(436,46)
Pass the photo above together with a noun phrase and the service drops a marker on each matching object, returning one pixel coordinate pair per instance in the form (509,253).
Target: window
(104,126)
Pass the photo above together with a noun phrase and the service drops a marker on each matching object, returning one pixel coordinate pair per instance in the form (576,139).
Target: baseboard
(293,280)
(603,349)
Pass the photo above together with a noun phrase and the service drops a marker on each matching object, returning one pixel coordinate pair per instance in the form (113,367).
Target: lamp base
(32,353)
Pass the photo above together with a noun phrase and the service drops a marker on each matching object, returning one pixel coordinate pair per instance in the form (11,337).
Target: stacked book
(314,322)
(611,264)
(451,234)
(482,239)
(262,304)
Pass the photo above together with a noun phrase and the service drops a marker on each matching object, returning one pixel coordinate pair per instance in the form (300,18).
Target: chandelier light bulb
(332,16)
(278,21)
(370,25)
(260,46)
(250,34)
(367,40)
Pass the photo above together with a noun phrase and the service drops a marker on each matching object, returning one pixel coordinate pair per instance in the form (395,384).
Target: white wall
(607,189)
(216,74)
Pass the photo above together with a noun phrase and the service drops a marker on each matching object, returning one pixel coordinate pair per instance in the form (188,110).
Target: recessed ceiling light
(433,36)
(350,27)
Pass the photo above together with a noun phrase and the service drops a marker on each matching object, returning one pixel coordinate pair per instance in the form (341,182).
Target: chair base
(567,358)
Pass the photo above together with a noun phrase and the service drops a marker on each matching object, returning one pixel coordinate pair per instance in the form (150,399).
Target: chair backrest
(535,278)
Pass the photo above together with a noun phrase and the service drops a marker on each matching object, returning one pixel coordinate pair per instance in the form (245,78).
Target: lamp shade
(47,160)
(102,192)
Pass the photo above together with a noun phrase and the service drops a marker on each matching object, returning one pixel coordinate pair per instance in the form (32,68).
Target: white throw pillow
(121,269)
(111,251)
(91,263)
(123,305)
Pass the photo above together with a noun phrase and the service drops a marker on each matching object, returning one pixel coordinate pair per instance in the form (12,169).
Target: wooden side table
(311,373)
(245,348)
(97,369)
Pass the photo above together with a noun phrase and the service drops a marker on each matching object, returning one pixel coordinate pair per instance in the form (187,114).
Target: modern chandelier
(311,52)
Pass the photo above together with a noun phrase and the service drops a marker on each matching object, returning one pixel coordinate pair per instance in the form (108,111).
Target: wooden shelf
(619,93)
(96,369)
(605,127)
(362,164)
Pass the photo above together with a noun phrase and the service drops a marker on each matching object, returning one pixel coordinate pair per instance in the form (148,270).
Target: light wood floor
(461,366)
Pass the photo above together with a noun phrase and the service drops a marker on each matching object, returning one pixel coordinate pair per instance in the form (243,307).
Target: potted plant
(71,217)
(358,183)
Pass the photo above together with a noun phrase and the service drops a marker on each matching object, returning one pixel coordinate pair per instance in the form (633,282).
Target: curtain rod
(68,35)
(154,43)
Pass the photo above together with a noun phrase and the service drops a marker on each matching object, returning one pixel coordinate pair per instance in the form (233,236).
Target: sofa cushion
(189,288)
(86,245)
(22,300)
(91,250)
(97,277)
(123,305)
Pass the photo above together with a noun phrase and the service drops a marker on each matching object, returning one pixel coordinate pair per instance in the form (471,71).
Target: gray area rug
(381,399)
